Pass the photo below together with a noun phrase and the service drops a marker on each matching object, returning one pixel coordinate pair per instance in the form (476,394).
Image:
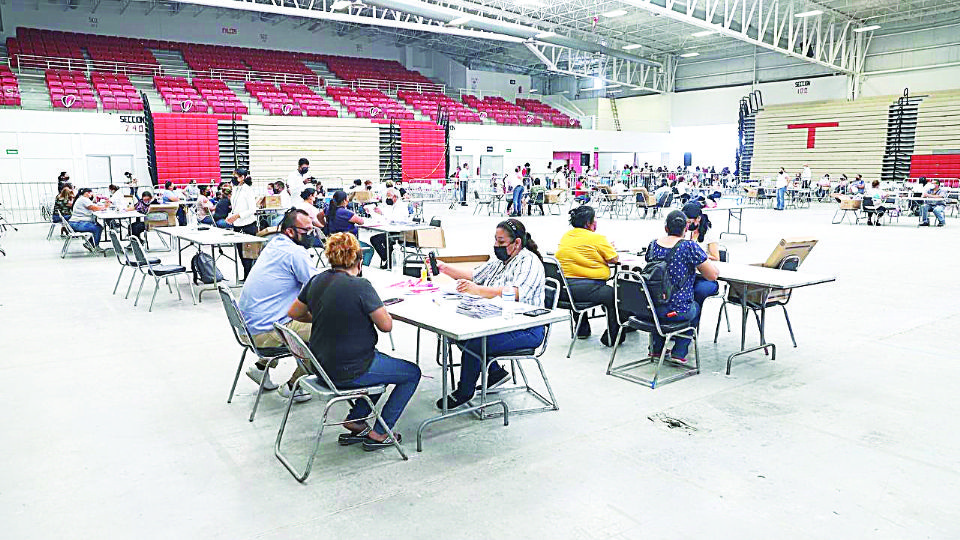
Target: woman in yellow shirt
(585,258)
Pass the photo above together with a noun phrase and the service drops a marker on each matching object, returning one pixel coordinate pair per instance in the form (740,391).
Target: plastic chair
(157,271)
(319,384)
(633,297)
(268,355)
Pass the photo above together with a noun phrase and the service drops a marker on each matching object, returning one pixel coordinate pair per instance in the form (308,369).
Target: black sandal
(346,439)
(370,445)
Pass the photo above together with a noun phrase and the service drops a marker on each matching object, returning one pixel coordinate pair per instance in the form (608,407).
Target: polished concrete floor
(115,422)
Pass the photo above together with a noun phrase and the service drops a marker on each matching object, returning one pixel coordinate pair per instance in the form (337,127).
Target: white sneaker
(256,374)
(299,397)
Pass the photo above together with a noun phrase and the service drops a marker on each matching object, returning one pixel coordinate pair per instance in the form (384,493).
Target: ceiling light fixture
(631,47)
(810,13)
(689,55)
(532,90)
(460,21)
(340,4)
(867,28)
(614,13)
(544,35)
(704,33)
(597,84)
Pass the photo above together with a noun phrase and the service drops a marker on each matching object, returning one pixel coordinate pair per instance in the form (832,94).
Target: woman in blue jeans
(700,230)
(683,264)
(346,312)
(518,264)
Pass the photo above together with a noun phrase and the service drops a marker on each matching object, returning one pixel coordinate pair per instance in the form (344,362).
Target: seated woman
(204,207)
(340,219)
(223,208)
(344,308)
(63,204)
(82,218)
(700,230)
(878,196)
(308,203)
(142,207)
(519,263)
(688,258)
(536,197)
(585,258)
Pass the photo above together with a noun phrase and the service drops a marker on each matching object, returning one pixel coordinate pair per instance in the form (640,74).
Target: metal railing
(27,202)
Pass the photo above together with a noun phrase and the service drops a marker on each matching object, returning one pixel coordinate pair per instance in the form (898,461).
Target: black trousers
(247,263)
(595,290)
(137,228)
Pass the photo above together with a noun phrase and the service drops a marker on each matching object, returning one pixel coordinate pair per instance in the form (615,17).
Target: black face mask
(389,202)
(306,241)
(501,253)
(692,227)
(235,182)
(304,170)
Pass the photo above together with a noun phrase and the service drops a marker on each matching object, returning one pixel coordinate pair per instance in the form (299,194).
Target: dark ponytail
(338,197)
(515,229)
(704,227)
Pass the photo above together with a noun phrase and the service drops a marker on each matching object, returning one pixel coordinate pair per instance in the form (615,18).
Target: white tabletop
(727,208)
(393,226)
(211,236)
(768,277)
(117,214)
(432,313)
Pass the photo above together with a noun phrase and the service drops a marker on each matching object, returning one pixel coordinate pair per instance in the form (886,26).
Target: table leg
(743,318)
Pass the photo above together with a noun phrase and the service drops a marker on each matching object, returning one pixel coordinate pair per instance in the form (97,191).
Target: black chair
(633,297)
(157,272)
(578,310)
(268,355)
(869,209)
(665,202)
(755,301)
(124,259)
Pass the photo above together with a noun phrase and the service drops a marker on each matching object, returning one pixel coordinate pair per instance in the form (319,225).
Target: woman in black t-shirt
(344,308)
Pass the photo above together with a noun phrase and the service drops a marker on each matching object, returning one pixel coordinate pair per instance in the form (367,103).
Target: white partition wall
(336,147)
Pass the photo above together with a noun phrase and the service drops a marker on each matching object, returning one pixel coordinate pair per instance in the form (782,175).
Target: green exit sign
(508,149)
(12,151)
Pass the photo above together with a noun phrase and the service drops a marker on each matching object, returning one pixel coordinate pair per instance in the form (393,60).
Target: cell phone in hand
(392,301)
(433,263)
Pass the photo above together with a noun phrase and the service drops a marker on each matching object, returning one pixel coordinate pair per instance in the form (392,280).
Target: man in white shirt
(299,177)
(394,209)
(806,176)
(933,200)
(464,179)
(782,181)
(192,190)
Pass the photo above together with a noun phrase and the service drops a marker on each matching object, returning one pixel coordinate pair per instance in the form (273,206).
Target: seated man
(169,195)
(660,195)
(395,210)
(82,218)
(933,199)
(282,269)
(536,197)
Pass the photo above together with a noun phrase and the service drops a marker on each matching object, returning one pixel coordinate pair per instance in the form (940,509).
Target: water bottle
(397,258)
(507,298)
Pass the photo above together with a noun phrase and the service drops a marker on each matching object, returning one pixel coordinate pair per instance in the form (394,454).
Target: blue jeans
(222,223)
(781,195)
(56,218)
(207,220)
(472,353)
(703,289)
(517,198)
(680,344)
(937,211)
(367,252)
(91,227)
(386,370)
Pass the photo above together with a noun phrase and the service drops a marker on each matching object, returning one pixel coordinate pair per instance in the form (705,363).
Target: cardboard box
(155,209)
(251,250)
(849,204)
(426,238)
(270,201)
(800,247)
(552,196)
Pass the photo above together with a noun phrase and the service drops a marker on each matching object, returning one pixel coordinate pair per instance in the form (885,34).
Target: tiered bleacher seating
(273,100)
(179,95)
(502,111)
(116,92)
(48,43)
(187,148)
(70,90)
(220,97)
(308,100)
(548,113)
(9,89)
(352,69)
(422,151)
(429,103)
(369,103)
(212,57)
(936,166)
(275,62)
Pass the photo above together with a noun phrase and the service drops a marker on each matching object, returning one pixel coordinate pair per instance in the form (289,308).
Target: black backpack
(204,269)
(657,276)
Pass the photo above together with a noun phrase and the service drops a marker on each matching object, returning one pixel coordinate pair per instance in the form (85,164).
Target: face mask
(692,227)
(389,202)
(306,241)
(235,182)
(304,170)
(501,253)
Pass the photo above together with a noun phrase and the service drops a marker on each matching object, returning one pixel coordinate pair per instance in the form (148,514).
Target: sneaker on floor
(256,374)
(299,397)
(496,382)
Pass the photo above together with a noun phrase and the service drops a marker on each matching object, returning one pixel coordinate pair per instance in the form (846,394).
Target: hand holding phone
(434,268)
